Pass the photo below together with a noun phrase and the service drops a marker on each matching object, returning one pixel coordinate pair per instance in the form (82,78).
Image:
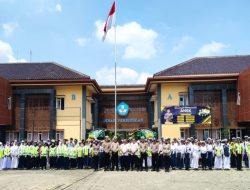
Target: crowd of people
(128,154)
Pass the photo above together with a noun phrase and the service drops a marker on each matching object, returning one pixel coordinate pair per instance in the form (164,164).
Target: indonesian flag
(110,21)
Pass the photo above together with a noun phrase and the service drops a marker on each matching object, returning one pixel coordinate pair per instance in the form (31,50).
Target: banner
(186,115)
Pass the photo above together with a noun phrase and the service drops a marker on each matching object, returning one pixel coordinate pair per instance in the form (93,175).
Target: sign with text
(186,115)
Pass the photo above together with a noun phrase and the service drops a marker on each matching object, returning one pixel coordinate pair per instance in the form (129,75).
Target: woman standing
(203,150)
(195,155)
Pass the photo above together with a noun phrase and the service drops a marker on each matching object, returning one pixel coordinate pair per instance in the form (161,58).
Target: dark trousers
(155,161)
(114,160)
(95,162)
(66,163)
(204,161)
(43,162)
(29,163)
(233,161)
(144,157)
(134,162)
(187,161)
(21,163)
(124,163)
(86,161)
(161,161)
(179,161)
(239,161)
(245,159)
(52,162)
(72,163)
(60,162)
(36,162)
(209,162)
(173,160)
(167,162)
(80,162)
(106,160)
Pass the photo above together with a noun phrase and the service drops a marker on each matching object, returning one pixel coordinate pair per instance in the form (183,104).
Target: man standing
(248,152)
(95,154)
(35,156)
(210,154)
(22,149)
(106,149)
(239,152)
(218,151)
(14,152)
(187,157)
(59,154)
(133,150)
(1,155)
(43,154)
(226,155)
(166,149)
(155,156)
(233,152)
(143,146)
(52,156)
(114,156)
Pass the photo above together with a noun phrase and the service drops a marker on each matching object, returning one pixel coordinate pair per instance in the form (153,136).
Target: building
(202,97)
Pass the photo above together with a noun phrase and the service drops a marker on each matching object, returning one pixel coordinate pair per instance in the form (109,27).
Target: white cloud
(139,42)
(105,76)
(9,28)
(58,8)
(183,42)
(6,53)
(211,48)
(81,41)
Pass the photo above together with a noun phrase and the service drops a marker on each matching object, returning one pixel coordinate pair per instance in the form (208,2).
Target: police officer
(187,157)
(106,150)
(155,156)
(66,155)
(233,153)
(239,152)
(166,149)
(36,156)
(73,156)
(52,155)
(60,155)
(114,154)
(22,148)
(43,155)
(95,154)
(80,156)
(210,148)
(143,146)
(133,150)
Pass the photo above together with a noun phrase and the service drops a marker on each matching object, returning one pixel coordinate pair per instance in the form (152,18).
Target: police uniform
(239,152)
(80,156)
(95,155)
(43,156)
(106,149)
(143,148)
(52,156)
(166,150)
(155,156)
(114,156)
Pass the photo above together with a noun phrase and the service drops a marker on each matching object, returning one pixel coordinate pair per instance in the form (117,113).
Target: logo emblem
(123,109)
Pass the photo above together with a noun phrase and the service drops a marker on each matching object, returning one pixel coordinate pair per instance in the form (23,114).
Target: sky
(151,35)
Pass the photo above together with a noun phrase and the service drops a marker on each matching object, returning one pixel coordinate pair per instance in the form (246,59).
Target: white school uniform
(195,156)
(218,158)
(6,161)
(226,160)
(14,152)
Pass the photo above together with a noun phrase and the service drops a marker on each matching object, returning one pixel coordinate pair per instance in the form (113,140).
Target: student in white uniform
(203,149)
(195,155)
(218,151)
(248,152)
(226,155)
(14,152)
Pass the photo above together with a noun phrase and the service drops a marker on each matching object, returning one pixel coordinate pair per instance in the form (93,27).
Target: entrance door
(239,133)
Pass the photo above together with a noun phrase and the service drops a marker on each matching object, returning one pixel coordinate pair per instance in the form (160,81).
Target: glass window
(60,103)
(218,134)
(238,133)
(57,136)
(29,137)
(73,97)
(183,99)
(40,136)
(182,134)
(11,137)
(9,103)
(206,133)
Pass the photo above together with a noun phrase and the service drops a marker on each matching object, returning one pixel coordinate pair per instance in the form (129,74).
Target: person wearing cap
(114,154)
(7,157)
(173,155)
(66,156)
(233,152)
(124,147)
(180,150)
(245,157)
(1,155)
(195,155)
(60,155)
(226,155)
(43,156)
(80,154)
(106,153)
(218,152)
(143,146)
(166,150)
(87,154)
(52,155)
(95,154)
(35,156)
(203,150)
(72,156)
(133,150)
(22,147)
(14,152)
(210,153)
(239,151)
(187,157)
(248,151)
(155,156)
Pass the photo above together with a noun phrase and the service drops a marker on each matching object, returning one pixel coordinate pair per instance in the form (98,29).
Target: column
(22,117)
(150,114)
(224,113)
(159,110)
(84,101)
(96,111)
(52,132)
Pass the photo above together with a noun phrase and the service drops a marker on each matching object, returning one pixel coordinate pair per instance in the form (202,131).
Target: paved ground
(87,179)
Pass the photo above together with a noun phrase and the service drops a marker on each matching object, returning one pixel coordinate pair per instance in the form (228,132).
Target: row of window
(40,136)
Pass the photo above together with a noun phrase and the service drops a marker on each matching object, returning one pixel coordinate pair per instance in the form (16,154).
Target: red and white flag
(110,21)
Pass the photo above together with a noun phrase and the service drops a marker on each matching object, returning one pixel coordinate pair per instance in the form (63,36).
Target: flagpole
(115,73)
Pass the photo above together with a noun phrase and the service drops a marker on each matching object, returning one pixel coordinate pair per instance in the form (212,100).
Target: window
(206,133)
(183,99)
(196,134)
(218,134)
(11,137)
(73,97)
(60,103)
(9,103)
(40,136)
(29,137)
(238,133)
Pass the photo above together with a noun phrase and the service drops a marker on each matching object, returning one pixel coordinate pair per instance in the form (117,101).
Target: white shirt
(125,149)
(133,148)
